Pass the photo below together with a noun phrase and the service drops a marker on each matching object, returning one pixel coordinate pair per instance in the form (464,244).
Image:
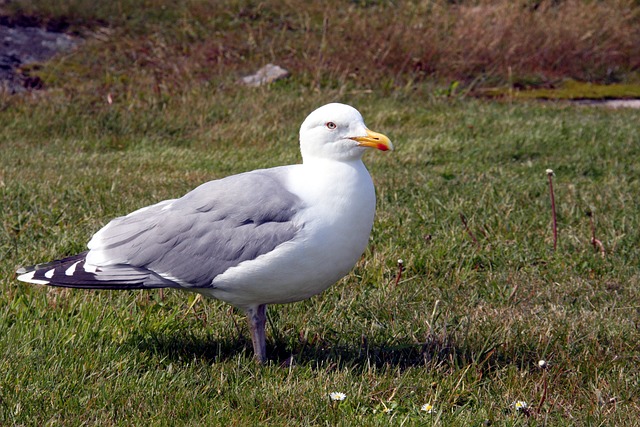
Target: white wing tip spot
(28,277)
(69,271)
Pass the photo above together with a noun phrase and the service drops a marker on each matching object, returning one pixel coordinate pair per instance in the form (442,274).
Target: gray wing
(193,239)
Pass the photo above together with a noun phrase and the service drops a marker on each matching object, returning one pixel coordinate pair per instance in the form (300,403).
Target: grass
(463,329)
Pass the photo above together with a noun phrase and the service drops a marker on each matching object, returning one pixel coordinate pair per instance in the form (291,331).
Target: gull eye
(331,125)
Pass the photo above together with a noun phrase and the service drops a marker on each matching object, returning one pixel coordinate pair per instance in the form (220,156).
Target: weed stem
(597,244)
(399,274)
(466,226)
(553,209)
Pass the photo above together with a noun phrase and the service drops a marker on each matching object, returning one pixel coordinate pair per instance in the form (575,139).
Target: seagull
(267,236)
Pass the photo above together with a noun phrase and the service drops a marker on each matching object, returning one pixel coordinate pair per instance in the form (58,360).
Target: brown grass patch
(365,44)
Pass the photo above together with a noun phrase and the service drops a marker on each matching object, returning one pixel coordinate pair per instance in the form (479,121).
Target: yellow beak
(374,140)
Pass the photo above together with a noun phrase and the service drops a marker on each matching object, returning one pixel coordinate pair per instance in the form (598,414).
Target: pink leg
(257,318)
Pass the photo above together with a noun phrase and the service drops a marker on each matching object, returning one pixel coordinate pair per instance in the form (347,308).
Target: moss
(571,89)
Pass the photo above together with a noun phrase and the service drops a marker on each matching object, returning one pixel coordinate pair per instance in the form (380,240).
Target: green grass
(464,329)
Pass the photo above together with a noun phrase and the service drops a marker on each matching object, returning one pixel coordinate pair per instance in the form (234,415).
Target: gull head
(337,132)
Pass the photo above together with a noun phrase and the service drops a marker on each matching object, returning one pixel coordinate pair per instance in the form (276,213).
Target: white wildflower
(428,408)
(337,396)
(520,405)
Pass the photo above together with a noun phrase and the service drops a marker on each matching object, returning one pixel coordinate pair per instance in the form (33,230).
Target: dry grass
(494,40)
(375,44)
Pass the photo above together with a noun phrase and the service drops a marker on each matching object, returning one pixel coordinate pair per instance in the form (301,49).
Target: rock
(610,103)
(26,45)
(265,75)
(623,103)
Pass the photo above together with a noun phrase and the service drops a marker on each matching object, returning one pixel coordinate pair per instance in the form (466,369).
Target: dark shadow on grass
(177,346)
(436,353)
(181,347)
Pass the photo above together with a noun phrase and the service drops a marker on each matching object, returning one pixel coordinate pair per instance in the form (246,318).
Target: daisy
(520,405)
(428,408)
(337,396)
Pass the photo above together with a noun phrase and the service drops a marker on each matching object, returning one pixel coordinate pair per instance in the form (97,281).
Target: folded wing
(184,242)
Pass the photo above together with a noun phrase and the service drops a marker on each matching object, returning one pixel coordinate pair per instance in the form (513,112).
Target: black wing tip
(51,264)
(70,273)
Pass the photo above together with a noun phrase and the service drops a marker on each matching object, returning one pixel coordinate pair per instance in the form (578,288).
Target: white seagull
(267,236)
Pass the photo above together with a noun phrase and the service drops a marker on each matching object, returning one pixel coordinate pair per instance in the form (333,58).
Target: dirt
(24,45)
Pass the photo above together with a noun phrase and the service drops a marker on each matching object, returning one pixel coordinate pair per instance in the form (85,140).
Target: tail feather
(72,272)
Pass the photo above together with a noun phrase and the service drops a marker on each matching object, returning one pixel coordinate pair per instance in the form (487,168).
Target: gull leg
(257,318)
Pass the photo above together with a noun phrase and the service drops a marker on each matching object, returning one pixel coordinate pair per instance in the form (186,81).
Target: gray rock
(26,45)
(265,75)
(611,103)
